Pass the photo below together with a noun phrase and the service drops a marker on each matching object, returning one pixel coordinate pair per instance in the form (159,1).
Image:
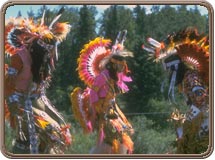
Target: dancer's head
(116,65)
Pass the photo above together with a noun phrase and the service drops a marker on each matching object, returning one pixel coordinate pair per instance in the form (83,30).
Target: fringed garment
(195,134)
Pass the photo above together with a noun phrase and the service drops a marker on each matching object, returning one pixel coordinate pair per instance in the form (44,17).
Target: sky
(12,11)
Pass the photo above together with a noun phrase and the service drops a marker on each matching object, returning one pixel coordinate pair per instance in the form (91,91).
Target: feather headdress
(96,54)
(188,44)
(90,57)
(93,58)
(56,31)
(42,39)
(187,47)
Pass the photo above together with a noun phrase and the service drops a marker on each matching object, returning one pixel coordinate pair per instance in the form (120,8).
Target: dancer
(185,55)
(32,50)
(104,71)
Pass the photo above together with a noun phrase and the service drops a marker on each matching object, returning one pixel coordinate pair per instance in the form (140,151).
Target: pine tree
(30,13)
(64,77)
(117,18)
(140,20)
(86,25)
(19,14)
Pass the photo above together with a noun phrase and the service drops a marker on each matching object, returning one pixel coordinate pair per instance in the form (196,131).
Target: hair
(40,62)
(182,68)
(112,67)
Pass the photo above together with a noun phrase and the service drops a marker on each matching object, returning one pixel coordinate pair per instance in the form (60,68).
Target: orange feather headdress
(56,31)
(95,55)
(90,57)
(189,45)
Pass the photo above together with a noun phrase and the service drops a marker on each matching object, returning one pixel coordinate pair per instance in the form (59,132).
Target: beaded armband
(12,71)
(15,97)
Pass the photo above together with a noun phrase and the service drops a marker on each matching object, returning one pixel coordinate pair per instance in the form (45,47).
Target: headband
(118,62)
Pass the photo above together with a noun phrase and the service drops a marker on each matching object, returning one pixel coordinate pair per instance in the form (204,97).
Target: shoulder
(16,57)
(16,61)
(101,78)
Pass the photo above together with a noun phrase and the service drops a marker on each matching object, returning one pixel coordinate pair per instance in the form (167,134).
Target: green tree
(19,14)
(140,20)
(49,15)
(110,26)
(86,25)
(117,18)
(30,13)
(64,75)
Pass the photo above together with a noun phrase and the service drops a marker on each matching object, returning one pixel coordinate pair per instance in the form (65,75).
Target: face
(120,67)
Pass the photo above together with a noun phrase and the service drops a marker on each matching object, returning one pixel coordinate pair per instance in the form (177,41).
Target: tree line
(147,75)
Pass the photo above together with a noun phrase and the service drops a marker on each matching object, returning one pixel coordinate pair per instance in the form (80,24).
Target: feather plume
(56,18)
(80,104)
(189,45)
(90,58)
(57,32)
(42,19)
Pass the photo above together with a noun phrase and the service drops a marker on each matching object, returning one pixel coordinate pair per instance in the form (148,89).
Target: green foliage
(114,20)
(86,25)
(146,138)
(82,143)
(9,135)
(147,75)
(150,140)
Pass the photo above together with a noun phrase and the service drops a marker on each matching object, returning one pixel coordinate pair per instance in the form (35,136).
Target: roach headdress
(187,47)
(43,40)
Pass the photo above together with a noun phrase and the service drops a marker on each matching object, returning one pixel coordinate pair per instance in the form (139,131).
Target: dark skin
(16,62)
(24,38)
